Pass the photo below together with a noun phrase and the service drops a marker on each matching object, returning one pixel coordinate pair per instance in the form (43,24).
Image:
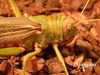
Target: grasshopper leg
(16,10)
(55,46)
(28,56)
(11,51)
(9,10)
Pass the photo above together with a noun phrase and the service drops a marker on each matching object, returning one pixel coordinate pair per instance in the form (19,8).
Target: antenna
(87,20)
(82,11)
(81,14)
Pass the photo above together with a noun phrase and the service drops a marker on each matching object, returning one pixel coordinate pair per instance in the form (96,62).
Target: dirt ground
(81,54)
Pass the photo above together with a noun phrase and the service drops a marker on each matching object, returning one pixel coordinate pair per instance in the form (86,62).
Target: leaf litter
(83,49)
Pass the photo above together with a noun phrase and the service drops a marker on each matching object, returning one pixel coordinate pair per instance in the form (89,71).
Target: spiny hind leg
(16,10)
(11,51)
(9,10)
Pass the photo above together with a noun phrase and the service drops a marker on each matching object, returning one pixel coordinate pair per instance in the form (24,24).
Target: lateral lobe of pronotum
(55,27)
(51,28)
(60,20)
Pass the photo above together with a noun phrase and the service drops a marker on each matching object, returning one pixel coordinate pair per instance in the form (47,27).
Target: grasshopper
(19,33)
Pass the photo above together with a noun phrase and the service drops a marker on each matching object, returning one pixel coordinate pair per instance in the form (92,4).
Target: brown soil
(83,49)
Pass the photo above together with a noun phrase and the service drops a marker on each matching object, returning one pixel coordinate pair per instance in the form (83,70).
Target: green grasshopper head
(68,28)
(68,25)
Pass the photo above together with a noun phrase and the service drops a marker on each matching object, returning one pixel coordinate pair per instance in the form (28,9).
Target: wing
(16,29)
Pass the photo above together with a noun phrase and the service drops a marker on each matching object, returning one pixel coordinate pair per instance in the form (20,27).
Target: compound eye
(69,26)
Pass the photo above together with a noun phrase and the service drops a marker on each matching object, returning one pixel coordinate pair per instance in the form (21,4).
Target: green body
(52,30)
(18,31)
(21,31)
(51,26)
